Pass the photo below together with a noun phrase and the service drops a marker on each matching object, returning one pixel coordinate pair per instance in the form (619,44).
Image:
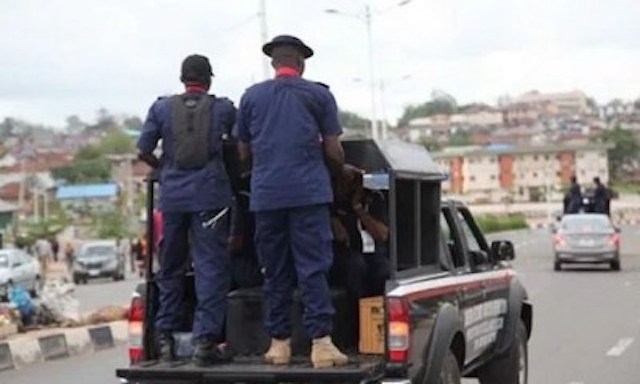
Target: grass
(499,223)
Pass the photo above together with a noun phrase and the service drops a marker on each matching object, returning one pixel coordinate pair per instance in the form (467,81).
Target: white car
(18,268)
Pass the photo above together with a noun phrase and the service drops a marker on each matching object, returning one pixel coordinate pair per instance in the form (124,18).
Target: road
(101,292)
(586,322)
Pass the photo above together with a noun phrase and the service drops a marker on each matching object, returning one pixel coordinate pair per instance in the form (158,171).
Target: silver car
(18,268)
(98,259)
(586,238)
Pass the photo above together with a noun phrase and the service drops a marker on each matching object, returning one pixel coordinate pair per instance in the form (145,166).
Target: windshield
(98,250)
(586,224)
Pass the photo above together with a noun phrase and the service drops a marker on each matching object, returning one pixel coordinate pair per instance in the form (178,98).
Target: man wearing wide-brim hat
(280,122)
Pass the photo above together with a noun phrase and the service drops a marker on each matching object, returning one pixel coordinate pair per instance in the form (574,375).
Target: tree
(431,144)
(624,154)
(74,124)
(440,103)
(115,143)
(460,138)
(132,122)
(352,120)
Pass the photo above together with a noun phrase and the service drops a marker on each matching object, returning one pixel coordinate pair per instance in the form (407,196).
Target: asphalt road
(586,322)
(100,292)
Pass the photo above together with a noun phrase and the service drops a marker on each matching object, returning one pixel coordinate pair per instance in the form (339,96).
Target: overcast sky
(60,57)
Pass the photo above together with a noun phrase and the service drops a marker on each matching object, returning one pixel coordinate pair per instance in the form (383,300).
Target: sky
(65,57)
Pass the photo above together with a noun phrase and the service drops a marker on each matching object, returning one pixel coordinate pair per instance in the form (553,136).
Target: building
(568,103)
(88,197)
(521,173)
(7,214)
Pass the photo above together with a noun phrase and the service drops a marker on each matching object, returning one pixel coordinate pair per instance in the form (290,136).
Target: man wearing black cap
(288,127)
(195,196)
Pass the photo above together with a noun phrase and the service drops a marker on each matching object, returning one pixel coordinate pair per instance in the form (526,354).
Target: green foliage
(460,138)
(109,225)
(116,142)
(499,223)
(353,121)
(438,105)
(90,164)
(430,144)
(625,151)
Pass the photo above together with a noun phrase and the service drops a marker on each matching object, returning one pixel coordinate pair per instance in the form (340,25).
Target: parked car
(98,259)
(18,268)
(453,307)
(589,238)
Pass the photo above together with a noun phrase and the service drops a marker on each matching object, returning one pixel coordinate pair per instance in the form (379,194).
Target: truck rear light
(614,240)
(136,321)
(398,330)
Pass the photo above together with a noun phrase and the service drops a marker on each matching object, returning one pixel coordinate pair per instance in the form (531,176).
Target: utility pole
(264,35)
(372,84)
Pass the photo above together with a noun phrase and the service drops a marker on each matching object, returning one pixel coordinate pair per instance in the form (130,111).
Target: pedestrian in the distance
(574,203)
(600,196)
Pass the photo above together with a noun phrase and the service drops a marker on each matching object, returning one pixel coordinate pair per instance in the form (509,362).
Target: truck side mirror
(503,250)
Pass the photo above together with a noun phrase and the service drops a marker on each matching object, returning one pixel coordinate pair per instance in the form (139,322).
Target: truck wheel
(557,266)
(450,371)
(513,366)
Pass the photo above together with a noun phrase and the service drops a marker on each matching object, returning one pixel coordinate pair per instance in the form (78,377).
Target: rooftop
(87,191)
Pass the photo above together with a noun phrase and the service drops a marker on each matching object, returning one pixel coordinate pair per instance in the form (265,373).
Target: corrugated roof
(87,191)
(7,207)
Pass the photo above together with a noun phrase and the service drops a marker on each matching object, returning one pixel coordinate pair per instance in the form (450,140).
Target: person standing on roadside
(288,135)
(195,196)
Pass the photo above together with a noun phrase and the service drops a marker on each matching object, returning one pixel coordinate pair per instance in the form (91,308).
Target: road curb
(24,350)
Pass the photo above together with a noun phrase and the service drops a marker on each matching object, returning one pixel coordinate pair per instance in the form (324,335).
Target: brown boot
(324,354)
(279,353)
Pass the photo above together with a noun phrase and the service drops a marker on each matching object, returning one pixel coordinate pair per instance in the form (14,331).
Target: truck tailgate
(254,370)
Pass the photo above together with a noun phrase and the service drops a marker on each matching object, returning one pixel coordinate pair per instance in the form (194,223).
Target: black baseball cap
(196,68)
(293,41)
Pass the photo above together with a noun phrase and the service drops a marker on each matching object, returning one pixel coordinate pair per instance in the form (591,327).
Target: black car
(453,307)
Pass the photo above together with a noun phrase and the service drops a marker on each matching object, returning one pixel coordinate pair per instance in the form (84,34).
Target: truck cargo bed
(254,370)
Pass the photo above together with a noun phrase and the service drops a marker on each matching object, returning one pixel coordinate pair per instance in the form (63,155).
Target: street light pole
(372,84)
(264,36)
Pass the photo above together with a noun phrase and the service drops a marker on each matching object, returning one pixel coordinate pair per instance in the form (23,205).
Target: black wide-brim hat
(293,41)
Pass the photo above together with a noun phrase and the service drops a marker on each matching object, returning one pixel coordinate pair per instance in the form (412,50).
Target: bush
(499,223)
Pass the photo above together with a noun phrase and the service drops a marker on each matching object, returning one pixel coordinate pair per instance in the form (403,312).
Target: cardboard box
(372,331)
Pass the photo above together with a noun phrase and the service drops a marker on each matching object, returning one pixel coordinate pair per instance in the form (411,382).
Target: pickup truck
(453,307)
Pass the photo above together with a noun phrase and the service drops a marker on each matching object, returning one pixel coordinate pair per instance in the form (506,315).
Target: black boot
(165,347)
(208,352)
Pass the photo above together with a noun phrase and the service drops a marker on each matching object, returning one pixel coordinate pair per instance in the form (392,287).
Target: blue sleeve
(228,118)
(150,132)
(330,123)
(243,120)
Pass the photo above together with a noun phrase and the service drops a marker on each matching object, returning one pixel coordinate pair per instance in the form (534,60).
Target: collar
(195,88)
(287,71)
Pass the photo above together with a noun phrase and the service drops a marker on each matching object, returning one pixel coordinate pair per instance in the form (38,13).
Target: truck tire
(615,265)
(513,366)
(450,371)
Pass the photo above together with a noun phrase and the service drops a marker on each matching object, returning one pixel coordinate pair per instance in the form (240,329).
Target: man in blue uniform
(195,196)
(289,129)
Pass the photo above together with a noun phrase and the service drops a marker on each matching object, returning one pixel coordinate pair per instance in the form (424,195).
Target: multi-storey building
(521,173)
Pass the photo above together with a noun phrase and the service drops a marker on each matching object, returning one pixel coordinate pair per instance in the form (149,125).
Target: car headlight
(111,263)
(78,265)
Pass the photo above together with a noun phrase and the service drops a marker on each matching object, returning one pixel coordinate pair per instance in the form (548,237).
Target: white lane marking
(627,283)
(618,349)
(576,382)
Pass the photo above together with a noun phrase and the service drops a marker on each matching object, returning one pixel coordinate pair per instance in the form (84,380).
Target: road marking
(576,382)
(627,283)
(618,349)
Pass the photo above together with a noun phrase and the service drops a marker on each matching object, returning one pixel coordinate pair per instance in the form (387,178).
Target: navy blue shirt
(189,190)
(284,120)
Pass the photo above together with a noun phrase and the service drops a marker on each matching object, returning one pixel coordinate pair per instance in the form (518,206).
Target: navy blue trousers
(211,268)
(296,244)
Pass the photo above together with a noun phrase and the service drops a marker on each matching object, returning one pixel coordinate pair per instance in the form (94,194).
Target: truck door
(485,294)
